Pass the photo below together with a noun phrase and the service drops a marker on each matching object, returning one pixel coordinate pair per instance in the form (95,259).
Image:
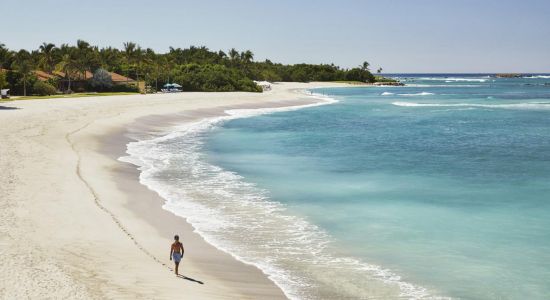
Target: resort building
(79,80)
(43,76)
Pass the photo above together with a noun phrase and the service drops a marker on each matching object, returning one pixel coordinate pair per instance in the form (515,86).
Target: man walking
(176,252)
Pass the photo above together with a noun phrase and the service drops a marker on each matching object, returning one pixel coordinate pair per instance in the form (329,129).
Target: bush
(78,89)
(15,81)
(53,82)
(213,78)
(125,88)
(101,81)
(3,80)
(357,74)
(270,75)
(43,89)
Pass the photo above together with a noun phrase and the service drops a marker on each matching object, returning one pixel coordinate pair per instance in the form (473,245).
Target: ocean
(438,189)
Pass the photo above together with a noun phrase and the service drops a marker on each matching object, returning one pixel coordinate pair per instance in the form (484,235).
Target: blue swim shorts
(176,257)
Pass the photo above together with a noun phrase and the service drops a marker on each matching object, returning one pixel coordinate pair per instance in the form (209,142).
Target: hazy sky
(399,35)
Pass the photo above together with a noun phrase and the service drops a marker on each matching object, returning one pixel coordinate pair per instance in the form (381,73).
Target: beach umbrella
(176,85)
(168,85)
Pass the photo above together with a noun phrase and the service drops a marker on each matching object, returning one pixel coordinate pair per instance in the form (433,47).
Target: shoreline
(81,242)
(172,123)
(147,205)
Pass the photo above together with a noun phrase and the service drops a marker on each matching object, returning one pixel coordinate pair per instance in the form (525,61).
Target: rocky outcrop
(508,75)
(389,83)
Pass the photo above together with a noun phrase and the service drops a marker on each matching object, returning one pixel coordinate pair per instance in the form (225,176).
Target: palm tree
(82,44)
(68,65)
(65,48)
(83,57)
(23,65)
(247,56)
(149,66)
(156,70)
(111,59)
(5,55)
(129,55)
(233,54)
(138,61)
(2,79)
(379,70)
(365,66)
(166,64)
(93,58)
(47,57)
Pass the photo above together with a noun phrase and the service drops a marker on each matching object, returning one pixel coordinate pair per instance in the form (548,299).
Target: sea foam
(453,79)
(538,77)
(531,105)
(417,94)
(240,218)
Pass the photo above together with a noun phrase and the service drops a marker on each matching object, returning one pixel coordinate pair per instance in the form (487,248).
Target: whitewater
(373,196)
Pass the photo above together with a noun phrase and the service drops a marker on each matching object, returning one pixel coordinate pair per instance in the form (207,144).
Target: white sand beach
(75,222)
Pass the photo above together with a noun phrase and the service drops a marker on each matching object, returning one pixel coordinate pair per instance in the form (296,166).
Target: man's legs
(177,265)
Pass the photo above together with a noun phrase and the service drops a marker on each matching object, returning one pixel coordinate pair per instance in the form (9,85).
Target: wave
(240,218)
(531,105)
(417,94)
(537,77)
(443,85)
(386,94)
(453,79)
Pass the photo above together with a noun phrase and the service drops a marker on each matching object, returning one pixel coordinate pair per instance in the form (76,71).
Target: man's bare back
(176,252)
(177,247)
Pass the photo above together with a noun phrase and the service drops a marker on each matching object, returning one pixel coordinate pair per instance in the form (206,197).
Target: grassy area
(75,95)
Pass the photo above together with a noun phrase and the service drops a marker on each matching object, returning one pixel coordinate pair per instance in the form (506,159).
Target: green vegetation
(23,66)
(211,78)
(43,89)
(195,68)
(124,89)
(3,80)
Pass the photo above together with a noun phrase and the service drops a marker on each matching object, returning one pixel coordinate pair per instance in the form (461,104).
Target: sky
(420,36)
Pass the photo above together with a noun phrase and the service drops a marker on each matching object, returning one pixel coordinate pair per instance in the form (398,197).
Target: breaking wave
(454,79)
(531,105)
(240,218)
(417,94)
(538,77)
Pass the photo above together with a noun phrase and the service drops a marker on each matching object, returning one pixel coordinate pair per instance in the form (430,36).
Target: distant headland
(508,75)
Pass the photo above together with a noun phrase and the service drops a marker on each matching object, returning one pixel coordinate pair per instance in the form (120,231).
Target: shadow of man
(7,107)
(190,279)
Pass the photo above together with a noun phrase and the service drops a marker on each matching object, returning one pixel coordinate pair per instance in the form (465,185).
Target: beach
(76,223)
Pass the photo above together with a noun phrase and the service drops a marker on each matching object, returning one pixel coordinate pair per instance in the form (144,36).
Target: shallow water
(439,188)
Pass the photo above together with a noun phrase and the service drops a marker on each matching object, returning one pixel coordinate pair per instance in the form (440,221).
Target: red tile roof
(119,78)
(75,75)
(43,76)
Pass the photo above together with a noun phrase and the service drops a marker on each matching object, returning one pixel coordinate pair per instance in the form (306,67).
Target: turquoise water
(444,182)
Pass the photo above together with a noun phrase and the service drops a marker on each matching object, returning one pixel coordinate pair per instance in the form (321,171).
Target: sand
(76,223)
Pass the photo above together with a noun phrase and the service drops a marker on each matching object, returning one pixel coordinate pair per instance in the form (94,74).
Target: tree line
(195,68)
